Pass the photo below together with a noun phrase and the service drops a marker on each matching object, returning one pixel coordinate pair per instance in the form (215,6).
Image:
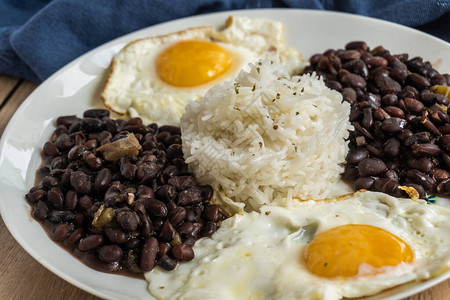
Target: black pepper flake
(260,145)
(325,264)
(295,93)
(275,127)
(258,69)
(297,113)
(278,96)
(254,88)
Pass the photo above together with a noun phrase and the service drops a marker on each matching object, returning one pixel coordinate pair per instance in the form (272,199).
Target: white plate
(76,88)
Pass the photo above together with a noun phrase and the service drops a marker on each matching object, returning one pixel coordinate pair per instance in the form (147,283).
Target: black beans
(393,125)
(110,253)
(90,242)
(402,127)
(134,212)
(371,167)
(183,252)
(148,256)
(81,182)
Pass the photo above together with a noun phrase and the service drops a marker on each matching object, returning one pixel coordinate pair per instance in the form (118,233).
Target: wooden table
(22,277)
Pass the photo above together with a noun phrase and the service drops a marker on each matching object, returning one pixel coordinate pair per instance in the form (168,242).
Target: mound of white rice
(265,136)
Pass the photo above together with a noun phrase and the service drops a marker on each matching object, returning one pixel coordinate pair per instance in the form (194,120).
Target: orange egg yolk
(192,62)
(340,251)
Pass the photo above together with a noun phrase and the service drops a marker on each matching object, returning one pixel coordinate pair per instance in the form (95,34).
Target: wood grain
(13,102)
(22,277)
(7,84)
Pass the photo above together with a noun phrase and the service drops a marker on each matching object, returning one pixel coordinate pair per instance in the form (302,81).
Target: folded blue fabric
(37,37)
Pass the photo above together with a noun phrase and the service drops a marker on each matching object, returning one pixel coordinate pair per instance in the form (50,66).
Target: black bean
(186,228)
(164,249)
(74,238)
(349,95)
(211,213)
(189,197)
(67,120)
(357,67)
(148,254)
(444,141)
(356,156)
(423,164)
(115,194)
(36,195)
(368,118)
(431,127)
(391,148)
(183,252)
(41,210)
(440,174)
(156,207)
(427,150)
(371,167)
(116,235)
(166,192)
(145,192)
(90,242)
(61,231)
(148,171)
(128,220)
(93,162)
(357,45)
(80,182)
(420,137)
(177,215)
(208,229)
(413,105)
(393,125)
(417,81)
(353,80)
(50,149)
(168,232)
(167,263)
(110,253)
(85,202)
(92,260)
(60,216)
(103,179)
(96,113)
(91,124)
(55,198)
(421,178)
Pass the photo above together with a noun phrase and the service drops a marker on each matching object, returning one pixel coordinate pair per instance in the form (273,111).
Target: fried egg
(153,78)
(353,246)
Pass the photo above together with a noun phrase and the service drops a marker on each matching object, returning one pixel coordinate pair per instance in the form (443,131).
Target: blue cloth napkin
(37,37)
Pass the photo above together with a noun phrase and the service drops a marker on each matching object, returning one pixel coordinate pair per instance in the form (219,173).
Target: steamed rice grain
(266,136)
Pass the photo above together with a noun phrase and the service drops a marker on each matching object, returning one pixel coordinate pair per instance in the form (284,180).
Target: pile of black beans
(132,213)
(402,128)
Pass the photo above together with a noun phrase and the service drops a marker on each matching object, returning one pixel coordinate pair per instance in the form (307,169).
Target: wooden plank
(7,84)
(14,101)
(22,277)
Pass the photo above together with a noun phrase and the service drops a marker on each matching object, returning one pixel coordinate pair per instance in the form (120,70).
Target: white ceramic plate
(76,88)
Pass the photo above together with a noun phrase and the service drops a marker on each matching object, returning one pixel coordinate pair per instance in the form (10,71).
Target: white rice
(266,136)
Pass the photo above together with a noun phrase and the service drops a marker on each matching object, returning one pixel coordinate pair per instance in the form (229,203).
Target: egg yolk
(340,251)
(192,62)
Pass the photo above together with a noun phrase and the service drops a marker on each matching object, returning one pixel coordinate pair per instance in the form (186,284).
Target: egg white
(260,255)
(133,85)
